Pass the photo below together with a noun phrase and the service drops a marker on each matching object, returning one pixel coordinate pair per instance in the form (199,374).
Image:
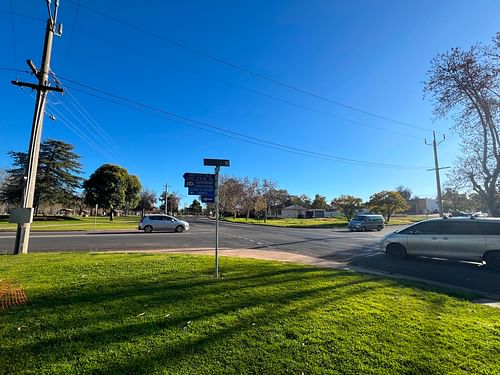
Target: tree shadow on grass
(91,335)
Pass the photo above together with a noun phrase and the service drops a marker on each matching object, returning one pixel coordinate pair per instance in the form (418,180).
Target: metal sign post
(207,186)
(217,163)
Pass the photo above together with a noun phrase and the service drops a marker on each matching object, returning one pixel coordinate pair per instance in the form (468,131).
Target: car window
(426,227)
(461,227)
(155,218)
(492,229)
(168,218)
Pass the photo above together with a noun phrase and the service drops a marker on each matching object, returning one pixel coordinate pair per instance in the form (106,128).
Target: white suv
(151,223)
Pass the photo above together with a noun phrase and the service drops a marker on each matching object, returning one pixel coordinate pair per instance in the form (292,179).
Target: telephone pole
(42,88)
(166,199)
(436,168)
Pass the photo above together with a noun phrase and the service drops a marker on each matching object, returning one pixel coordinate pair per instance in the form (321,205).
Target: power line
(219,79)
(71,37)
(256,92)
(137,106)
(13,31)
(133,104)
(247,70)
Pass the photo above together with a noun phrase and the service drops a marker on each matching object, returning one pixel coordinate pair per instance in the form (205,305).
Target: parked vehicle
(150,223)
(366,222)
(474,239)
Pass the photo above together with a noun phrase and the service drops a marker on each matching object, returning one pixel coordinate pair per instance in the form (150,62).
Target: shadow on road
(468,275)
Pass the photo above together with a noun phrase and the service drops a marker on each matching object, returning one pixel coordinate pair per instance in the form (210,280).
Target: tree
(455,201)
(147,201)
(276,199)
(261,207)
(387,203)
(57,175)
(108,187)
(249,195)
(195,207)
(132,192)
(300,200)
(348,205)
(266,193)
(319,202)
(467,84)
(231,195)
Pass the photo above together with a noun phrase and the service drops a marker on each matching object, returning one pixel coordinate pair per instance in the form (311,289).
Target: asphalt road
(350,248)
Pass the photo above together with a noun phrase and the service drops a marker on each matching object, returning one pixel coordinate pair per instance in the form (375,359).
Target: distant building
(293,211)
(425,206)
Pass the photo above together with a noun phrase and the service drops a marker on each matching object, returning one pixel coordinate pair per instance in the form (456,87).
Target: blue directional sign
(192,179)
(201,190)
(207,199)
(200,184)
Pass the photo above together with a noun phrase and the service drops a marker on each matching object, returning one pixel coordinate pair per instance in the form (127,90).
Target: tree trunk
(110,214)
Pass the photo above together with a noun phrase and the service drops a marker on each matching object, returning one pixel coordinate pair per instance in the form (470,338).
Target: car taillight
(142,220)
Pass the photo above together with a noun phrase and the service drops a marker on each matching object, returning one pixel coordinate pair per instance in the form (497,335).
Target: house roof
(294,207)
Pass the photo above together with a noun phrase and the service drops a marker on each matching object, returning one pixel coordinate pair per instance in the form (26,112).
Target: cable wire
(13,31)
(256,92)
(195,123)
(71,38)
(247,70)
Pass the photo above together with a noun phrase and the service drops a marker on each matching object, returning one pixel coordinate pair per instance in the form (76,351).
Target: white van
(473,239)
(366,222)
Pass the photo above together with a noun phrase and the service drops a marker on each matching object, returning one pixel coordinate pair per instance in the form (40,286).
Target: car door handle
(445,238)
(435,238)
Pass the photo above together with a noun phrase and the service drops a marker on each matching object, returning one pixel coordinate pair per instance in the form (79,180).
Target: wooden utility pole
(42,88)
(436,168)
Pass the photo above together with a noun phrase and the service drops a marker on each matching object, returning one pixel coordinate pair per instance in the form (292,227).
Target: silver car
(472,239)
(366,222)
(151,223)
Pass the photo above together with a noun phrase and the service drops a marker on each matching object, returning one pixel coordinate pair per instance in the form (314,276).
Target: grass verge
(144,313)
(63,223)
(320,222)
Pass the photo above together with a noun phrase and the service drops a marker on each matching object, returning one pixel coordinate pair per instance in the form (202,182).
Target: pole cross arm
(37,87)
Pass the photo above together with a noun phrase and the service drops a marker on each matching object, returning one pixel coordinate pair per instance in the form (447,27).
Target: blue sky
(370,55)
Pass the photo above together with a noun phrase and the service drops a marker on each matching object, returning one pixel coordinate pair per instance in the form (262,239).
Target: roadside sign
(216,162)
(200,184)
(21,215)
(193,179)
(207,186)
(207,199)
(201,190)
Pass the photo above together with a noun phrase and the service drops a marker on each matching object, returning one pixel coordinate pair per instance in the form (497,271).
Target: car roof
(467,218)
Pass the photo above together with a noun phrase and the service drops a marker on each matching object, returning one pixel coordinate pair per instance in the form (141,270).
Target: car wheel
(363,229)
(492,259)
(148,229)
(179,229)
(379,228)
(395,251)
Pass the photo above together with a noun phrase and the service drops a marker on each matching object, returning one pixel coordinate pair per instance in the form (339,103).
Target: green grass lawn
(74,223)
(321,222)
(143,313)
(297,223)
